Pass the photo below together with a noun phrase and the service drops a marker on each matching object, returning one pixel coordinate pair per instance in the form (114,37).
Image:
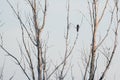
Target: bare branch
(107,30)
(103,11)
(28,54)
(90,12)
(86,68)
(115,43)
(93,51)
(44,17)
(16,61)
(21,22)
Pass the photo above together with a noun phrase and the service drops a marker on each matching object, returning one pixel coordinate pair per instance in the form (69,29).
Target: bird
(77,28)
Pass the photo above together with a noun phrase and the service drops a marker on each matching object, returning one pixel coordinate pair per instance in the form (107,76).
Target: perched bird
(77,28)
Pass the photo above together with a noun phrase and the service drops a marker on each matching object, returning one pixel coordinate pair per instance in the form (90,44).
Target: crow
(77,28)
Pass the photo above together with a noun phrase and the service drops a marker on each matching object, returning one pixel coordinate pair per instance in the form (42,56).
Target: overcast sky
(55,26)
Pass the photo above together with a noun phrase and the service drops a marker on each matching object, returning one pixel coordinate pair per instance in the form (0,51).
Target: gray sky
(55,26)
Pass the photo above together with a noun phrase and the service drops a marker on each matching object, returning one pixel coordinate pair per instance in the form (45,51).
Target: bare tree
(95,21)
(115,40)
(34,35)
(68,51)
(33,50)
(34,46)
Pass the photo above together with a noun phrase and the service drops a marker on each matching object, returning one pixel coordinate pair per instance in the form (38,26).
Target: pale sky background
(56,26)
